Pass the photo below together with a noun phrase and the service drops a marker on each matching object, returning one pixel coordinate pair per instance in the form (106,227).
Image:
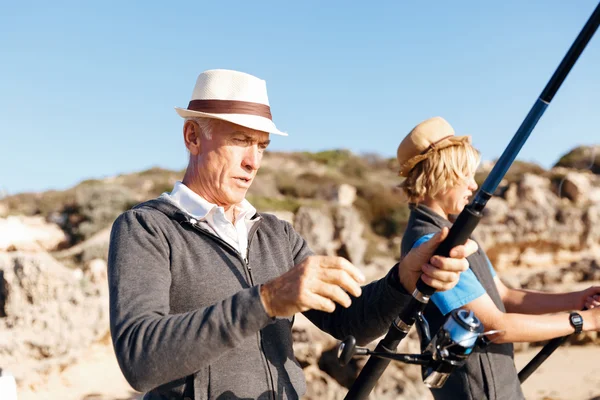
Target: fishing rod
(555,343)
(464,226)
(460,333)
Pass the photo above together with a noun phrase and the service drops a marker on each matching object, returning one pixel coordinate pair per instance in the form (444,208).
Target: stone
(343,195)
(575,186)
(30,234)
(49,315)
(496,210)
(349,232)
(316,227)
(287,216)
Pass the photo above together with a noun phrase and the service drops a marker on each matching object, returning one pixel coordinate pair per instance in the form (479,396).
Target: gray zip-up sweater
(186,316)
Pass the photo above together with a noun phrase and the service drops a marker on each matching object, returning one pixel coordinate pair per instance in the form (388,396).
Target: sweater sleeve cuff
(255,310)
(397,290)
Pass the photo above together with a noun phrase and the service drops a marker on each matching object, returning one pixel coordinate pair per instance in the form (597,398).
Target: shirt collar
(198,207)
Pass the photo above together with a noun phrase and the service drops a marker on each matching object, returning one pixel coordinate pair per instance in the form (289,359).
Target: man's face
(229,161)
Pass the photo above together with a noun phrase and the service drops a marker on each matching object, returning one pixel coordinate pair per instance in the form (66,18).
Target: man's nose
(252,158)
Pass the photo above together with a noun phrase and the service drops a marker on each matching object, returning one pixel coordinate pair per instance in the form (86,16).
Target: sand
(571,373)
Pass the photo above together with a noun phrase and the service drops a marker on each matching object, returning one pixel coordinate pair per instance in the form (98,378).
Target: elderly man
(203,289)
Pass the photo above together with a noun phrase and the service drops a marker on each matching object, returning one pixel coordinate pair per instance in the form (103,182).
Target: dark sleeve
(370,315)
(152,346)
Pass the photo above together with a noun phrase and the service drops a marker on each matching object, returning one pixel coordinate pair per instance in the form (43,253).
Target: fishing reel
(449,349)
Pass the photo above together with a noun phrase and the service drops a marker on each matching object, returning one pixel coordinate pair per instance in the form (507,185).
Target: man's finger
(593,300)
(433,243)
(465,250)
(440,275)
(340,278)
(450,264)
(333,293)
(342,263)
(421,255)
(315,302)
(589,305)
(437,285)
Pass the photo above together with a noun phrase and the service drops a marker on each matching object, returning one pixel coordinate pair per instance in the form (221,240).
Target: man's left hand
(589,298)
(441,273)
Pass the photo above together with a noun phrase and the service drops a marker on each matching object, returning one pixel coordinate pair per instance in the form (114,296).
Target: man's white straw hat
(231,96)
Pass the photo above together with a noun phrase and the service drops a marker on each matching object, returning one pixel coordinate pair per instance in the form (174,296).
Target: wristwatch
(576,321)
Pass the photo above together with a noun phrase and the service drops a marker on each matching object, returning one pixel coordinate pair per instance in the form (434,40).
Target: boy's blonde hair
(440,171)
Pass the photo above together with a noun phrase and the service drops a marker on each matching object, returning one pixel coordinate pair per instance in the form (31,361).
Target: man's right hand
(441,273)
(317,283)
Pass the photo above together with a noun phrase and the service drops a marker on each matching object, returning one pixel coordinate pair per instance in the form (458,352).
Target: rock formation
(541,231)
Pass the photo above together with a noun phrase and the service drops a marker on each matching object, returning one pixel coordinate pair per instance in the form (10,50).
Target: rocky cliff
(541,231)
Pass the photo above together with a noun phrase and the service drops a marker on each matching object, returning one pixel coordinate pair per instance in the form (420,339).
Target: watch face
(577,319)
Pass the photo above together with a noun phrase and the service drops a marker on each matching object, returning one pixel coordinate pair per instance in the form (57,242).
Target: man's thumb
(432,244)
(424,252)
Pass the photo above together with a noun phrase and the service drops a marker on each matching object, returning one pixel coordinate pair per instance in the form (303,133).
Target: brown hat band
(432,145)
(231,107)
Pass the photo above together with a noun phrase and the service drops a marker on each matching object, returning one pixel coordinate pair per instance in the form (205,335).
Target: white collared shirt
(212,217)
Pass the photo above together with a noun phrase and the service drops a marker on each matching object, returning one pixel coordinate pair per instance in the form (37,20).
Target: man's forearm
(154,349)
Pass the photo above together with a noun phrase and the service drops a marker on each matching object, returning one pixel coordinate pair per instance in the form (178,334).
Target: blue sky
(87,89)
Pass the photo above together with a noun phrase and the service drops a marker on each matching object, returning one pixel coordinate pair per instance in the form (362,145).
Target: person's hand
(591,319)
(441,273)
(316,283)
(592,301)
(589,298)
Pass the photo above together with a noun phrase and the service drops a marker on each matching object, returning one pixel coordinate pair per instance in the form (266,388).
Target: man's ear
(191,137)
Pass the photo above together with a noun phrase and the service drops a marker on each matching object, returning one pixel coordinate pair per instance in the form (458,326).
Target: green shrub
(342,161)
(519,168)
(95,207)
(354,168)
(273,204)
(514,173)
(383,208)
(155,172)
(332,158)
(38,203)
(375,161)
(304,186)
(583,157)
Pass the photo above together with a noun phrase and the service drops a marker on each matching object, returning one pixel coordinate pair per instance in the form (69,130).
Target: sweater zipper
(247,260)
(246,263)
(227,245)
(260,341)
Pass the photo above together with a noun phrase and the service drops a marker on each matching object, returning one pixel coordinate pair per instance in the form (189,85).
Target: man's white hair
(206,125)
